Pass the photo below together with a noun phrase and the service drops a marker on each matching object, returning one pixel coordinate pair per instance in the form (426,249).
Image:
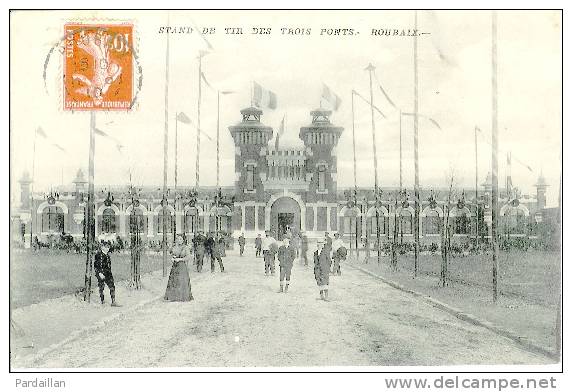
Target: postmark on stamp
(98,67)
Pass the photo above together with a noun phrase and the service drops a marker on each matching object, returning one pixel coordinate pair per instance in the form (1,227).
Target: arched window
(373,224)
(170,221)
(321,177)
(406,222)
(249,177)
(136,221)
(108,221)
(462,222)
(53,220)
(432,224)
(191,223)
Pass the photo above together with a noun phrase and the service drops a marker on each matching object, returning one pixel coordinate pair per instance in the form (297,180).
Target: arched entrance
(284,216)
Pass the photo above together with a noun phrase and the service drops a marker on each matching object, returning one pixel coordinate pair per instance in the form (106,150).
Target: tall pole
(90,210)
(32,194)
(400,153)
(176,165)
(217,138)
(197,176)
(371,68)
(165,152)
(355,177)
(416,149)
(476,191)
(495,184)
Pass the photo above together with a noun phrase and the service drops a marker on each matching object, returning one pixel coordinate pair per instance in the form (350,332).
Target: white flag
(263,98)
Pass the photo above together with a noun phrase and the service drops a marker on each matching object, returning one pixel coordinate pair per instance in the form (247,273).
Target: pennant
(203,77)
(332,98)
(434,122)
(263,98)
(367,101)
(59,147)
(383,91)
(41,132)
(118,144)
(279,133)
(182,117)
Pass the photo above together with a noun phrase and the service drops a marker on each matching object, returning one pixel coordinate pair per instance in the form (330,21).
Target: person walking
(199,244)
(268,246)
(258,245)
(217,253)
(337,250)
(241,242)
(322,264)
(102,268)
(304,249)
(179,284)
(286,256)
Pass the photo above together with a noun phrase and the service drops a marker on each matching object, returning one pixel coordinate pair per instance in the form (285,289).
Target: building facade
(278,190)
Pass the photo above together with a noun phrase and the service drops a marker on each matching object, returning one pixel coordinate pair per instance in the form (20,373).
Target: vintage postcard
(281,190)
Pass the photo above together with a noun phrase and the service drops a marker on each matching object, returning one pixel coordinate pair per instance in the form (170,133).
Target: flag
(206,82)
(383,91)
(59,147)
(279,133)
(41,132)
(332,98)
(263,98)
(118,144)
(182,117)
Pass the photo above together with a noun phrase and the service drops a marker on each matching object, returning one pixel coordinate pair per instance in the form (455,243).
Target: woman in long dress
(179,285)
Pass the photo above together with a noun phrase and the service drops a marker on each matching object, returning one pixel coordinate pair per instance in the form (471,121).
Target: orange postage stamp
(98,67)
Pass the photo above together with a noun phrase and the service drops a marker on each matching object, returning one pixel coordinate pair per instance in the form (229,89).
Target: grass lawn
(529,287)
(35,277)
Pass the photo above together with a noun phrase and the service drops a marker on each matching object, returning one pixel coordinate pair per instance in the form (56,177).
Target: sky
(454,89)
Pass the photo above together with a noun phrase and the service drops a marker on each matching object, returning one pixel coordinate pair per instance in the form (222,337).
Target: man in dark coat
(199,243)
(258,245)
(241,242)
(286,256)
(304,249)
(102,268)
(322,263)
(217,252)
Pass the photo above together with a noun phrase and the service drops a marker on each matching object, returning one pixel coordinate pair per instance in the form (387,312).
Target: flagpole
(197,175)
(370,68)
(165,152)
(355,174)
(476,191)
(494,136)
(90,210)
(217,137)
(32,193)
(176,165)
(416,148)
(400,154)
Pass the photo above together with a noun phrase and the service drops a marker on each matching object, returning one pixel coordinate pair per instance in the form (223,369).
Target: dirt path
(238,319)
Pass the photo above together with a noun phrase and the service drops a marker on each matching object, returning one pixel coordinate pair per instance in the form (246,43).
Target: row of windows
(320,138)
(252,137)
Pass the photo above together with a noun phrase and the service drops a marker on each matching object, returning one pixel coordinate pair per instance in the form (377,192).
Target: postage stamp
(98,67)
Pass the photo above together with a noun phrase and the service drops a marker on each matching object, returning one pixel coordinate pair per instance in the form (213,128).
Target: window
(250,177)
(406,222)
(190,225)
(462,223)
(53,220)
(321,178)
(170,222)
(136,221)
(432,224)
(373,224)
(108,221)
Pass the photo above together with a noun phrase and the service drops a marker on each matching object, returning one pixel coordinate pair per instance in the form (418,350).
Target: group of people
(327,257)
